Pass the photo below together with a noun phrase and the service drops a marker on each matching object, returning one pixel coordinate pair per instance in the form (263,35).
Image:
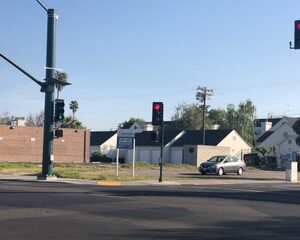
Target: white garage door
(155,156)
(176,156)
(145,156)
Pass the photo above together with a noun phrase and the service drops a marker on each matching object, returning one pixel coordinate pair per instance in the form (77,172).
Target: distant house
(104,142)
(147,150)
(217,142)
(179,146)
(263,125)
(281,136)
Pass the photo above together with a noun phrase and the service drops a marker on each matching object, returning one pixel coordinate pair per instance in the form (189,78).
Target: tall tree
(218,117)
(74,107)
(245,120)
(132,120)
(187,117)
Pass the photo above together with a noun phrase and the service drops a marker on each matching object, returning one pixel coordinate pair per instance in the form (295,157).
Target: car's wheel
(203,172)
(240,171)
(220,171)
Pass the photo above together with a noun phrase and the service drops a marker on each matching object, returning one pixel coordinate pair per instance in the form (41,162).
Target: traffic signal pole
(158,120)
(48,87)
(162,129)
(48,157)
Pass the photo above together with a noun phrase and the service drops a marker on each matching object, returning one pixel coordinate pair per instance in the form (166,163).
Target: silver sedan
(223,164)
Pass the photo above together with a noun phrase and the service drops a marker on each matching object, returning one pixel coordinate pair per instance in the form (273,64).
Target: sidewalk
(190,178)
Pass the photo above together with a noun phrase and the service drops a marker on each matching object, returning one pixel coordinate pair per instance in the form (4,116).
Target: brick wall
(25,144)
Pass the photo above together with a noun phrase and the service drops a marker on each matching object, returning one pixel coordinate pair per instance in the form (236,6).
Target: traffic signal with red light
(157,113)
(297,35)
(59,110)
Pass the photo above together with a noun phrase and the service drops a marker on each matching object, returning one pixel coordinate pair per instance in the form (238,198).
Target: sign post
(133,157)
(125,140)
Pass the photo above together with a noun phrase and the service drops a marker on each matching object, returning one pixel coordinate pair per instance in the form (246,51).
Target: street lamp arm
(42,5)
(22,70)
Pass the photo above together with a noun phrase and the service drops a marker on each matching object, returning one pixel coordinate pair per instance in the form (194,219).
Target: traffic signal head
(297,35)
(59,110)
(58,133)
(157,113)
(155,136)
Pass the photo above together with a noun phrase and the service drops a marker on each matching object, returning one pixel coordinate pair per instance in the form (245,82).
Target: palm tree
(63,77)
(74,107)
(69,122)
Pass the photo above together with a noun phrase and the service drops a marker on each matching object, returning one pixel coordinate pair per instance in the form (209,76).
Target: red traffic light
(156,107)
(298,26)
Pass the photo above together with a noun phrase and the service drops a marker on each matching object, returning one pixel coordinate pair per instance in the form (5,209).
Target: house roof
(99,137)
(267,134)
(144,138)
(264,136)
(257,122)
(212,137)
(292,120)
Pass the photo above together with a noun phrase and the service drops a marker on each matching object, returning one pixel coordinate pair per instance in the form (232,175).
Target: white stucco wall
(109,148)
(145,154)
(284,138)
(236,144)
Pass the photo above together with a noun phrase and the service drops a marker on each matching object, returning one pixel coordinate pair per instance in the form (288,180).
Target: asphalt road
(43,210)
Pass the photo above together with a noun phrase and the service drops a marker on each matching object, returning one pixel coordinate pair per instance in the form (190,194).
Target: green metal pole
(48,156)
(161,151)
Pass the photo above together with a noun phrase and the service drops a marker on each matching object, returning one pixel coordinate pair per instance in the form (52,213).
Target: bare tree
(5,118)
(35,120)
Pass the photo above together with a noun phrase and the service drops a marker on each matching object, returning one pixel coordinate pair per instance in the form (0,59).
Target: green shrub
(272,162)
(121,160)
(99,157)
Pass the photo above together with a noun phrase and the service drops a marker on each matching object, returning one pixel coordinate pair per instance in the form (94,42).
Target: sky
(122,55)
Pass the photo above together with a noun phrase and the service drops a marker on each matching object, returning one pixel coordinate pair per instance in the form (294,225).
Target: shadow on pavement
(227,176)
(282,196)
(276,229)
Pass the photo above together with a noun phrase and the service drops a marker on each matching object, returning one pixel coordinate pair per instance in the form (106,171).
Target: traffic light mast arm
(42,84)
(22,70)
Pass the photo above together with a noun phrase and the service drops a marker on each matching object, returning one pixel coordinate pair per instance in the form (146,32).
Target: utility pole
(202,95)
(47,87)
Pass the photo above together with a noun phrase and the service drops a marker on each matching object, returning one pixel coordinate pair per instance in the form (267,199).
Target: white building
(180,146)
(281,136)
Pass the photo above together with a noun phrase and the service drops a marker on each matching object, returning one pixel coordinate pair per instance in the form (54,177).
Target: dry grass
(98,171)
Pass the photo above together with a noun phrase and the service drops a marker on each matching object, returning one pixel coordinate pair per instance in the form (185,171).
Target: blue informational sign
(125,142)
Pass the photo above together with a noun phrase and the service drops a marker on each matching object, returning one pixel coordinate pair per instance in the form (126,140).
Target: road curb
(109,183)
